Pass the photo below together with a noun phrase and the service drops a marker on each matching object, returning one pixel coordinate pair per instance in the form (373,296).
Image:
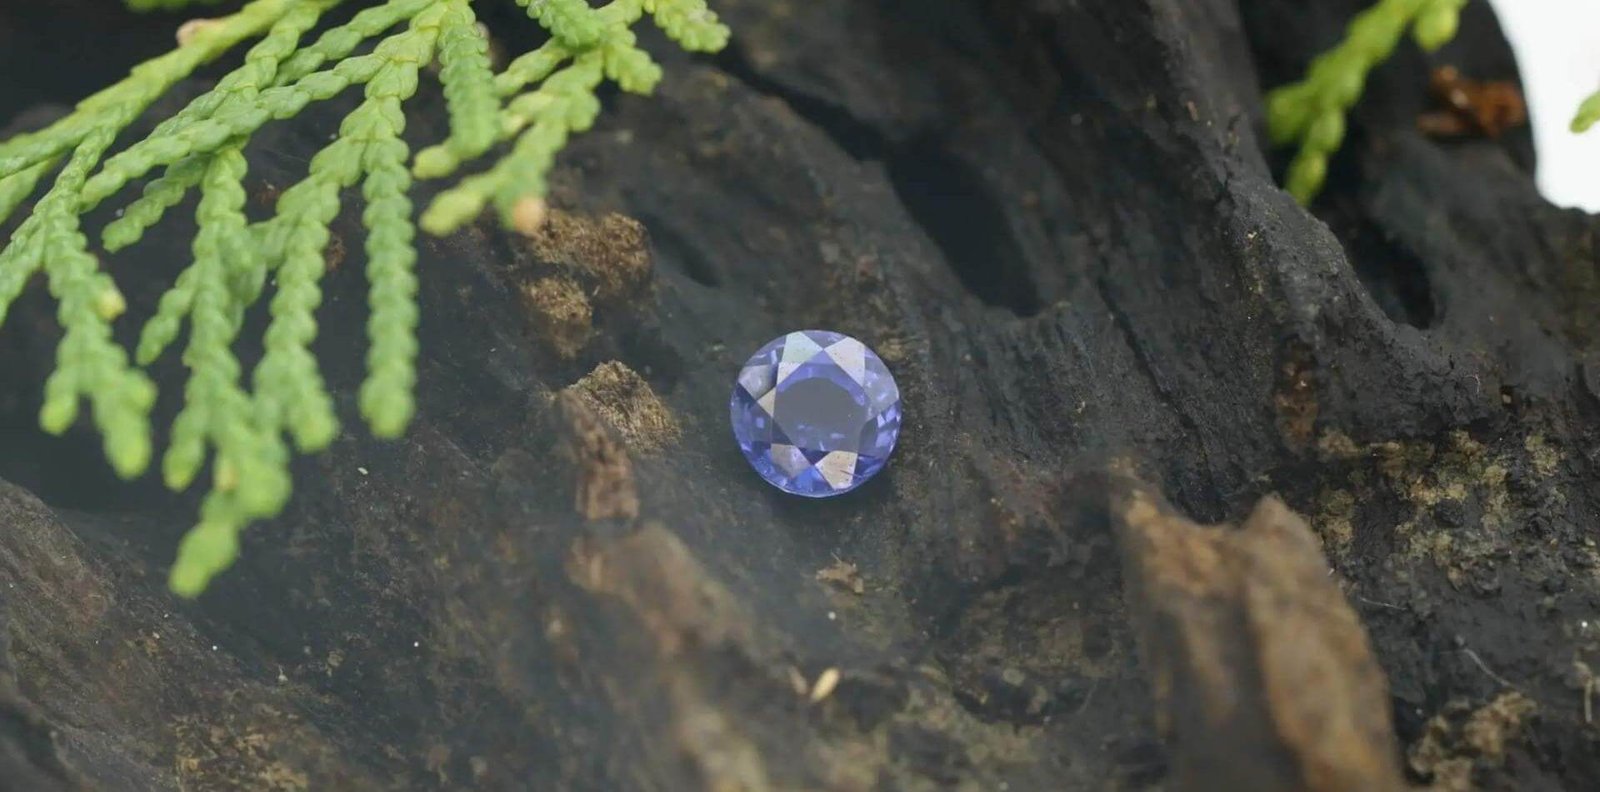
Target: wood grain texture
(1058,224)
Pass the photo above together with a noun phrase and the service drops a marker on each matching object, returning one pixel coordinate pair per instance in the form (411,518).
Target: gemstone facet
(816,413)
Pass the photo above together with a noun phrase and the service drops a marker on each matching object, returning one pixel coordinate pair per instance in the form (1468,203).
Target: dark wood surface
(1057,223)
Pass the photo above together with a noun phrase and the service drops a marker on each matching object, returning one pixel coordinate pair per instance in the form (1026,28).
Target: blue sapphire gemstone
(816,413)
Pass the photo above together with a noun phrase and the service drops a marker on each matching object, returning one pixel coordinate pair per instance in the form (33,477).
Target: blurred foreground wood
(1253,651)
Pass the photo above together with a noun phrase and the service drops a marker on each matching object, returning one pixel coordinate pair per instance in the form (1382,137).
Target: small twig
(1087,697)
(1588,700)
(824,687)
(1379,604)
(1478,661)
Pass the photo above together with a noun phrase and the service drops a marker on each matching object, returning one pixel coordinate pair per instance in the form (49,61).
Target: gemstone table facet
(816,413)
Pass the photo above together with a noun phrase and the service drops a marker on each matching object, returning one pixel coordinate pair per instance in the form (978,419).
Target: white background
(1558,51)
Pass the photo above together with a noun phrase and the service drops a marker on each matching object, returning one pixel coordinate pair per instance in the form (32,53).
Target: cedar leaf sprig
(246,425)
(1312,112)
(1587,116)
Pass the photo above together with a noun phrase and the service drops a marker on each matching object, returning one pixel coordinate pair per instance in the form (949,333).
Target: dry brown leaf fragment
(844,575)
(1472,107)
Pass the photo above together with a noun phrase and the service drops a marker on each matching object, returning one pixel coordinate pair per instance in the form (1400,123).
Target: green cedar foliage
(247,424)
(1588,114)
(166,5)
(1312,112)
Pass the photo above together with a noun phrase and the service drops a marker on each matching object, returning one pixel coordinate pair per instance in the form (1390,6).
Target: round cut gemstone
(816,413)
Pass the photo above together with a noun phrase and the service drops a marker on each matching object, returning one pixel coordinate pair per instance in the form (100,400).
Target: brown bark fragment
(1461,739)
(610,254)
(660,580)
(683,608)
(623,398)
(719,751)
(1262,674)
(561,313)
(605,488)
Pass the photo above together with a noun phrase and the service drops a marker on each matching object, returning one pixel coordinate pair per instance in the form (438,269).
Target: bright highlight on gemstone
(816,413)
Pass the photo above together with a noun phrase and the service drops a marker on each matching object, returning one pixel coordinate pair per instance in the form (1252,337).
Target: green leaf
(242,426)
(1588,114)
(1312,111)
